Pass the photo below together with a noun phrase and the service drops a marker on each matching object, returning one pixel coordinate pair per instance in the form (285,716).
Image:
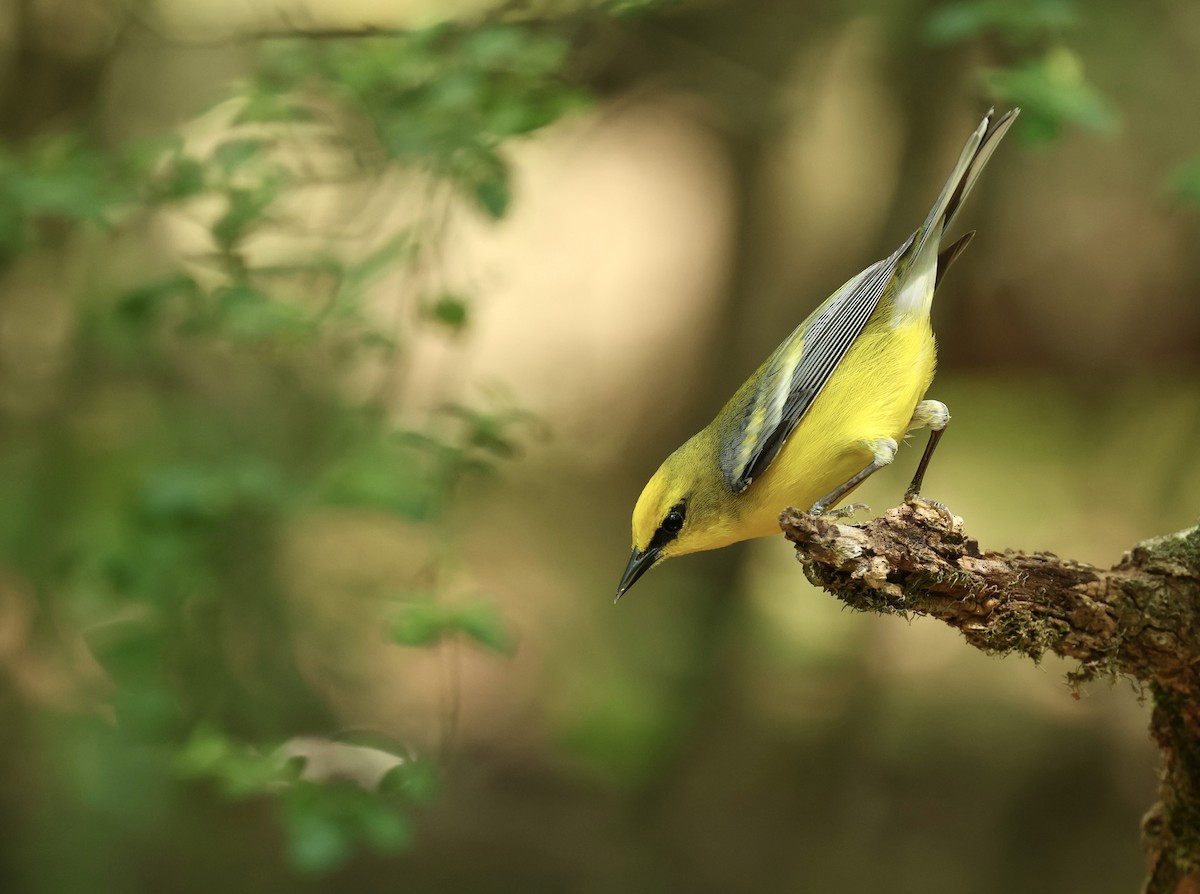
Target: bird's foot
(937,505)
(819,510)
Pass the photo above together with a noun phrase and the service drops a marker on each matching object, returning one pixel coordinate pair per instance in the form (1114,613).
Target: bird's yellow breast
(871,395)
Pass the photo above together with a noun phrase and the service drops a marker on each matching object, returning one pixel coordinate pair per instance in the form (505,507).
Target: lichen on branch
(1140,618)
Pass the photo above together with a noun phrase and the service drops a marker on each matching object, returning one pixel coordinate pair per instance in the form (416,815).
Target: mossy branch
(1140,618)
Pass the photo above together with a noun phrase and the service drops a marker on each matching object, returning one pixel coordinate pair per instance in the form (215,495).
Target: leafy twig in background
(201,410)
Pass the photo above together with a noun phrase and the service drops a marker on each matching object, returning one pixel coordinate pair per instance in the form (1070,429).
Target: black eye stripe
(671,525)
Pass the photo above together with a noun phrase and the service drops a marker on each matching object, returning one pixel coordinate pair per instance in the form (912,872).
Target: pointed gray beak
(639,564)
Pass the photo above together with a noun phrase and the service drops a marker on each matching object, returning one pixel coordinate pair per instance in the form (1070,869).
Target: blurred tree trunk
(56,66)
(1140,619)
(736,59)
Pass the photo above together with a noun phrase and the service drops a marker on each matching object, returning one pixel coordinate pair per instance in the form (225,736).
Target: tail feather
(991,139)
(947,255)
(971,161)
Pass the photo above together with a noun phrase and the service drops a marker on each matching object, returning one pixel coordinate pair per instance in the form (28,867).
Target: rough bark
(1140,618)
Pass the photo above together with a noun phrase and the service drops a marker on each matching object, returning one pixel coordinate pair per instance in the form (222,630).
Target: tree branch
(1140,618)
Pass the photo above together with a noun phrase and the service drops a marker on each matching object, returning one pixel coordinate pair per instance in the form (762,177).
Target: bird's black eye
(673,522)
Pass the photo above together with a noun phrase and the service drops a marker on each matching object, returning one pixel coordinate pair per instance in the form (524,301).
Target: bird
(824,411)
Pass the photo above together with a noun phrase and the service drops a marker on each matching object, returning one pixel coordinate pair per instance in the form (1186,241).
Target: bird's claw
(937,505)
(820,511)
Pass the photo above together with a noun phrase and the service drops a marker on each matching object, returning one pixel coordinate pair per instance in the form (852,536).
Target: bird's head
(684,508)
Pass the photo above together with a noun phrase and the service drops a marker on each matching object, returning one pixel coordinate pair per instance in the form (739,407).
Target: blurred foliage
(1045,77)
(189,417)
(1184,182)
(1020,22)
(1051,92)
(57,178)
(445,97)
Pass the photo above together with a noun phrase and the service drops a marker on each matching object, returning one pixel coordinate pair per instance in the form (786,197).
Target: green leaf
(450,310)
(325,822)
(237,768)
(1184,182)
(202,753)
(189,493)
(386,473)
(129,649)
(182,178)
(145,709)
(1052,93)
(379,262)
(57,177)
(416,780)
(267,107)
(245,207)
(516,116)
(183,493)
(143,304)
(1019,21)
(495,46)
(481,622)
(544,57)
(248,314)
(383,829)
(426,623)
(492,193)
(420,624)
(232,154)
(316,842)
(457,93)
(486,433)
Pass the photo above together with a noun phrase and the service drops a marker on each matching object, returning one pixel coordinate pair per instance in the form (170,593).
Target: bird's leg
(934,415)
(883,451)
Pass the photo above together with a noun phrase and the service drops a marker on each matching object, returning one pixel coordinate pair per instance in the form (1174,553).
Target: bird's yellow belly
(870,396)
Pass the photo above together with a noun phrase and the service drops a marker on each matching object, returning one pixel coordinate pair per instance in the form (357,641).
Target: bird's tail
(975,155)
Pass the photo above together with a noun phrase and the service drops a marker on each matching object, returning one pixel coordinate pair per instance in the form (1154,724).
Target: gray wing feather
(788,387)
(795,374)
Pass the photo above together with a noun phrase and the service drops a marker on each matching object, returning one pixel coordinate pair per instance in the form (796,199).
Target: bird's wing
(795,374)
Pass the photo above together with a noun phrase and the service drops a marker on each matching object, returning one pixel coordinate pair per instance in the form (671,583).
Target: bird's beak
(639,564)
